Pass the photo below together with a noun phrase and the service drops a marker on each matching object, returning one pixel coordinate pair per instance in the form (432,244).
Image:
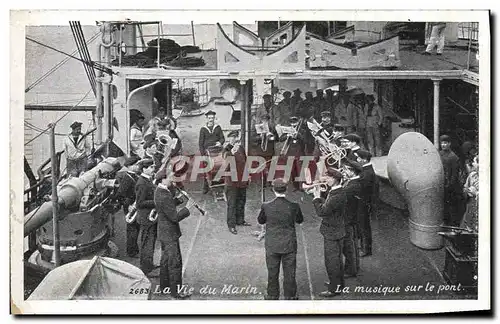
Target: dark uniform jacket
(350,153)
(178,147)
(280,216)
(451,164)
(144,198)
(320,105)
(333,211)
(353,194)
(208,137)
(240,158)
(168,216)
(295,103)
(126,190)
(297,144)
(370,185)
(256,144)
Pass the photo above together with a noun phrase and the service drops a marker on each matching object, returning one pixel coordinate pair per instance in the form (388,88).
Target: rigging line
(77,39)
(85,52)
(55,123)
(37,129)
(57,66)
(94,64)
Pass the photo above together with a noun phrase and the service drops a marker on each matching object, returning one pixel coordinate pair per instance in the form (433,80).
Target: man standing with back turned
(280,216)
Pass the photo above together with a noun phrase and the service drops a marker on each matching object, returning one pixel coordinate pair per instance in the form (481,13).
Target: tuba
(331,152)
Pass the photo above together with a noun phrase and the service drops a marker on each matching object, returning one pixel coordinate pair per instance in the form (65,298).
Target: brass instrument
(323,186)
(265,134)
(330,152)
(291,137)
(132,214)
(153,215)
(164,143)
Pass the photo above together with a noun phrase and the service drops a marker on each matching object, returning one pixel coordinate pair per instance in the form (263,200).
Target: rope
(76,28)
(38,129)
(55,123)
(57,66)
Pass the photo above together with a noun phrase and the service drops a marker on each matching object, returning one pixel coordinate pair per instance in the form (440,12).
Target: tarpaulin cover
(99,278)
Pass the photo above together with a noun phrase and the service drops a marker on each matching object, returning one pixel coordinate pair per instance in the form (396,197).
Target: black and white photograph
(217,163)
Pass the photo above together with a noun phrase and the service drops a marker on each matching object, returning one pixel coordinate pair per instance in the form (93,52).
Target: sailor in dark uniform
(332,211)
(127,179)
(351,143)
(236,187)
(353,191)
(211,135)
(296,148)
(144,198)
(452,187)
(370,192)
(169,230)
(280,216)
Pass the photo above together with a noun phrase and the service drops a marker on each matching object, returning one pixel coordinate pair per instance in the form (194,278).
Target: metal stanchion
(55,205)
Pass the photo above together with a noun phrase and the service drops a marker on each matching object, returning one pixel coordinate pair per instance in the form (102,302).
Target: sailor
(307,107)
(136,137)
(283,110)
(263,145)
(127,178)
(351,143)
(144,193)
(295,102)
(296,148)
(369,198)
(210,136)
(452,187)
(77,149)
(320,104)
(374,120)
(332,210)
(353,191)
(152,128)
(266,110)
(152,151)
(169,230)
(330,103)
(236,184)
(169,125)
(326,121)
(280,216)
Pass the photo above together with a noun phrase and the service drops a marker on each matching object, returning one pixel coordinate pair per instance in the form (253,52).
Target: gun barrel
(69,194)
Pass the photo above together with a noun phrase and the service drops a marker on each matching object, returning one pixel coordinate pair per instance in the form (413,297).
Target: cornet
(323,186)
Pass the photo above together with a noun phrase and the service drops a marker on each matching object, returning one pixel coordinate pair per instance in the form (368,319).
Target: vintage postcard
(249,162)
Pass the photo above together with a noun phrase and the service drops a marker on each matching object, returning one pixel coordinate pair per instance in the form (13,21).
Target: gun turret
(71,192)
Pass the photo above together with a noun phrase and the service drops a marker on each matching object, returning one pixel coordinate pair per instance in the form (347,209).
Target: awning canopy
(99,278)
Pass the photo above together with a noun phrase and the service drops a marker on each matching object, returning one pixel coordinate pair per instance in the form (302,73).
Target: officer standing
(280,216)
(296,102)
(332,211)
(144,193)
(169,231)
(236,184)
(370,192)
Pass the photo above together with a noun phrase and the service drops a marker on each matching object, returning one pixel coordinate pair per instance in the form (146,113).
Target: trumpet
(132,214)
(165,143)
(323,186)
